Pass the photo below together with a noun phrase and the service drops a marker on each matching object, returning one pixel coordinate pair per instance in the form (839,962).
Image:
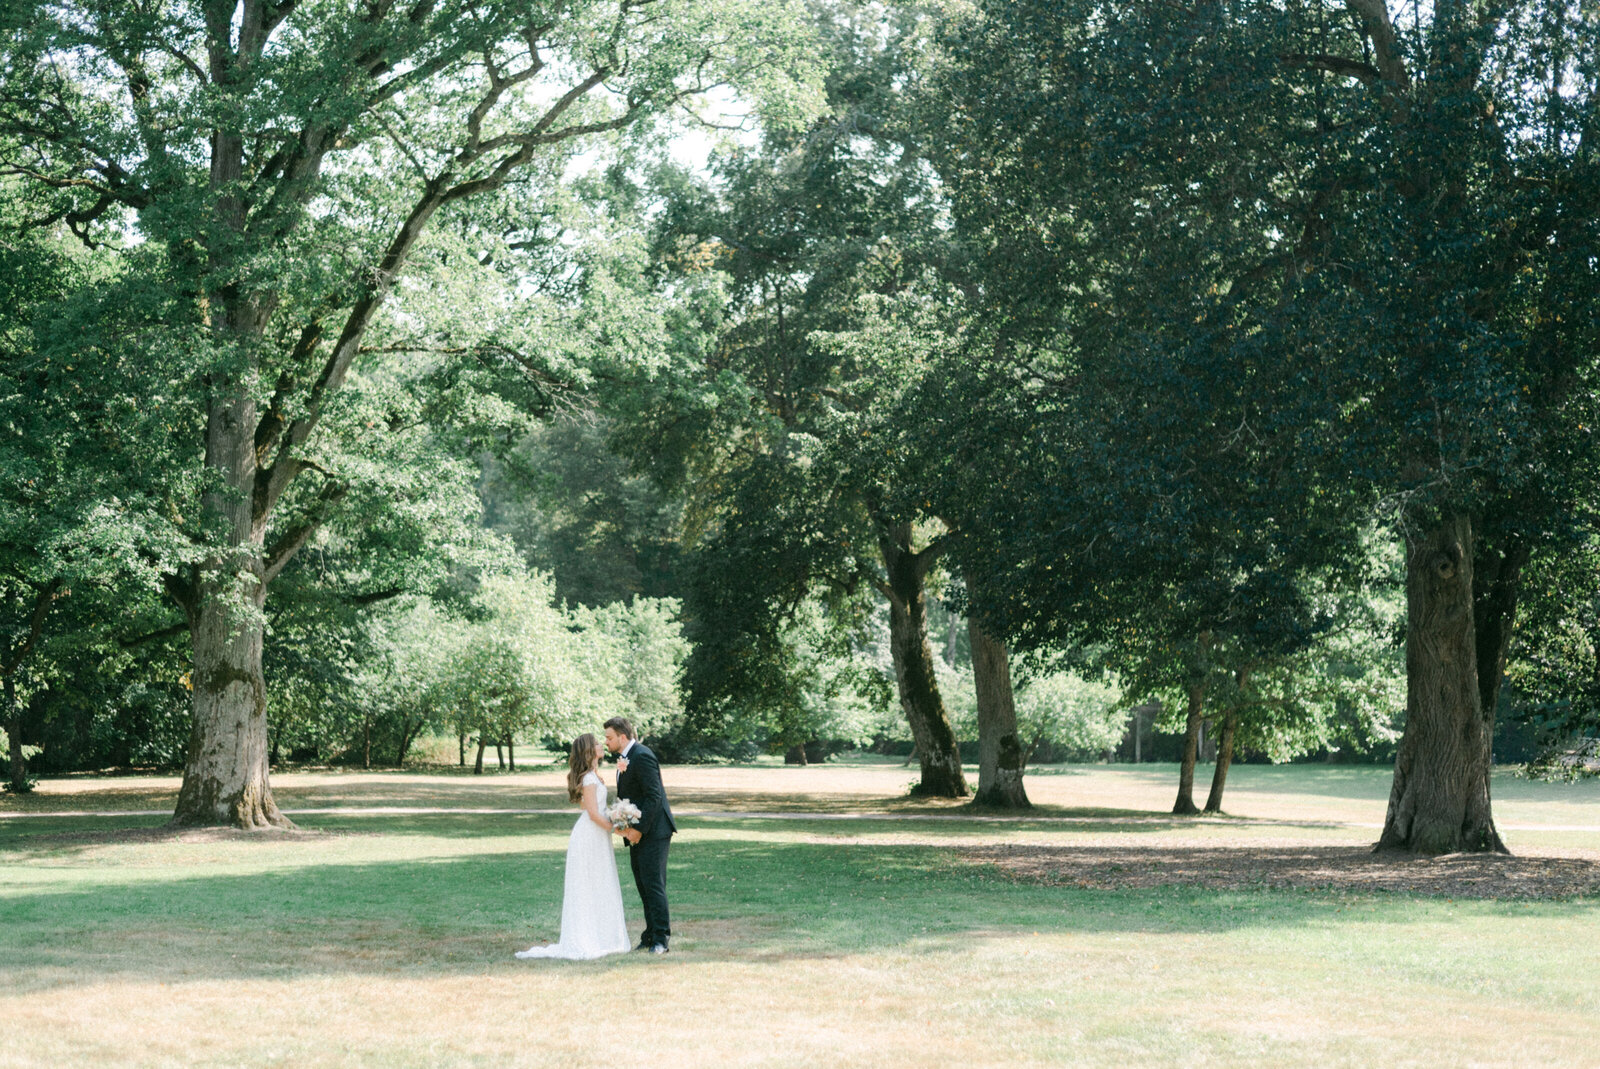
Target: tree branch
(374,596)
(527,142)
(181,590)
(924,559)
(154,636)
(1365,73)
(284,548)
(1374,17)
(41,610)
(441,190)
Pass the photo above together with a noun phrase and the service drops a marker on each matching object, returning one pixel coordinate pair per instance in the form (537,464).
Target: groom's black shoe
(644,946)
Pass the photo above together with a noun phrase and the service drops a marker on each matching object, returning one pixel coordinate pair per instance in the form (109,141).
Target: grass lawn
(842,934)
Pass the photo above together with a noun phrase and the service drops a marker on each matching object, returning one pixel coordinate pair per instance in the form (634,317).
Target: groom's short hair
(621,725)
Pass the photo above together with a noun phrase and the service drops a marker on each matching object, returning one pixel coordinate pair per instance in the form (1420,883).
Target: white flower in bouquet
(622,813)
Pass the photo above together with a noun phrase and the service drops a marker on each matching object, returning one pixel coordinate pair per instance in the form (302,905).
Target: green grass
(387,940)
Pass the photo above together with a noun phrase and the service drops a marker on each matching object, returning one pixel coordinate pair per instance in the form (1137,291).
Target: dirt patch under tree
(1571,874)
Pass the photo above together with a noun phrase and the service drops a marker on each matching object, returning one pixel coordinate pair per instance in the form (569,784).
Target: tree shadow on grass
(1342,782)
(965,826)
(500,793)
(1296,866)
(22,841)
(1045,811)
(733,901)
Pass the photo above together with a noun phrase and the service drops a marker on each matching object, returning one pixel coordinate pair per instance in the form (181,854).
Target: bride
(592,924)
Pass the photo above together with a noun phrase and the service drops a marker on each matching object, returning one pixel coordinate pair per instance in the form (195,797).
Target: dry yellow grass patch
(386,941)
(988,999)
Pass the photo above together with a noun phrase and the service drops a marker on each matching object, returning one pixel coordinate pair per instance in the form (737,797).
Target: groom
(639,781)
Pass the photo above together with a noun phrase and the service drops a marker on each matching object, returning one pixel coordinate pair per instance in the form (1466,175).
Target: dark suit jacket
(641,785)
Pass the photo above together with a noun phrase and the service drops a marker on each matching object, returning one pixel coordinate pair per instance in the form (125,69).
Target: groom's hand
(632,835)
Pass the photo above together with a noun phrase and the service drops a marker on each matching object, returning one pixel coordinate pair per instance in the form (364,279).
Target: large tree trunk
(225,775)
(477,765)
(999,750)
(913,665)
(1230,727)
(1185,806)
(1219,772)
(1439,802)
(795,755)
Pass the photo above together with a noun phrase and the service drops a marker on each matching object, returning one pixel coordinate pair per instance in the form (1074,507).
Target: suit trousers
(648,859)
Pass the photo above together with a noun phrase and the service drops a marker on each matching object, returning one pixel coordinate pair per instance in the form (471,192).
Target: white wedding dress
(592,924)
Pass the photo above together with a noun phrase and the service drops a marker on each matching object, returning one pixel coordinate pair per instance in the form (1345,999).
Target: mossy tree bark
(935,739)
(225,777)
(1439,803)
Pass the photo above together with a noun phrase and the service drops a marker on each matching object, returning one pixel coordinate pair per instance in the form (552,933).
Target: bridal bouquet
(622,813)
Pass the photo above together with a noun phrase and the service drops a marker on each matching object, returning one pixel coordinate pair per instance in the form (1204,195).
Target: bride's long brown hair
(585,757)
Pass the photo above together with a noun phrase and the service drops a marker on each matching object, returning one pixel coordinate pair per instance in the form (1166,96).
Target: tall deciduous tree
(1377,233)
(787,421)
(287,158)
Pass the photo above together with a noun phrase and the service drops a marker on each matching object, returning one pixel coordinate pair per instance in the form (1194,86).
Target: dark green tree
(574,510)
(1347,258)
(88,450)
(785,429)
(1553,670)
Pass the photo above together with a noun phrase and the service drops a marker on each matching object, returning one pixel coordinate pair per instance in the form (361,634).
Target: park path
(731,814)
